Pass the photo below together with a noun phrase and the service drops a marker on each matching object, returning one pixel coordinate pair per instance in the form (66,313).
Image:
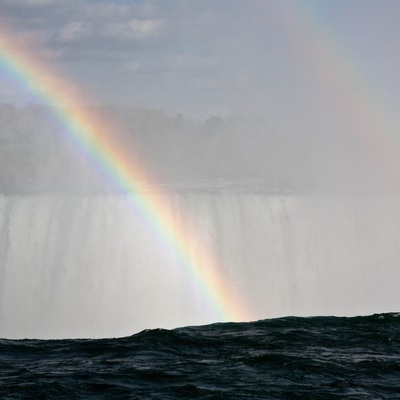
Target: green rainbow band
(91,135)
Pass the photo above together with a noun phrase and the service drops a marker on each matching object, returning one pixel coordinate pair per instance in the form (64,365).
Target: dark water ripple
(286,358)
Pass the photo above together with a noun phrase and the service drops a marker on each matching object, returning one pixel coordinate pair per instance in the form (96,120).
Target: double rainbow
(349,89)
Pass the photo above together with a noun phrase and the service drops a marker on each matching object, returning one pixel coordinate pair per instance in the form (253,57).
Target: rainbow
(90,133)
(352,94)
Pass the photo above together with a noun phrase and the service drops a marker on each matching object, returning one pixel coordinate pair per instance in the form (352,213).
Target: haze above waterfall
(228,153)
(296,96)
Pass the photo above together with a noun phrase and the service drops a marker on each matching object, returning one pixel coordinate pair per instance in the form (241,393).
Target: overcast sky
(201,57)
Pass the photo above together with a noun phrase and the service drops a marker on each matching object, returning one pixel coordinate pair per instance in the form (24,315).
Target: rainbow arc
(90,134)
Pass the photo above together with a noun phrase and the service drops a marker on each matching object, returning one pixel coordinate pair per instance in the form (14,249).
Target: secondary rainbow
(357,99)
(90,133)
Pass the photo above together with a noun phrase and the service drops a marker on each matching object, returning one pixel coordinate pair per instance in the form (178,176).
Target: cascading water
(87,266)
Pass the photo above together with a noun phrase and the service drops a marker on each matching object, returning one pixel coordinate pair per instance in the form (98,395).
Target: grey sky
(200,57)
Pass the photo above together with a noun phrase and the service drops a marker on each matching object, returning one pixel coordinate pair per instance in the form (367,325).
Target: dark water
(287,358)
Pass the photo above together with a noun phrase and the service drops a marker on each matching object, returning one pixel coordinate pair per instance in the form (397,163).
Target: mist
(230,153)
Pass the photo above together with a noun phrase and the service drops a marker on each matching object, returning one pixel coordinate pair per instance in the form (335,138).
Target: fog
(233,153)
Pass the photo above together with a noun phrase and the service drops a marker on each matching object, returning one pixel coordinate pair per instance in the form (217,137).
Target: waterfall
(87,266)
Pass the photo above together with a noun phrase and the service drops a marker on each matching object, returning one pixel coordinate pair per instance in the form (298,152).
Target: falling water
(86,266)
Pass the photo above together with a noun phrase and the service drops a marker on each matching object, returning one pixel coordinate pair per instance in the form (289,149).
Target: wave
(292,357)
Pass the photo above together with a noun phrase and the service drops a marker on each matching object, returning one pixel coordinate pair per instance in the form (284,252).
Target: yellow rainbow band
(91,134)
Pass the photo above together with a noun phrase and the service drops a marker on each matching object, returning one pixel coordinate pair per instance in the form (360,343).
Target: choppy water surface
(286,358)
